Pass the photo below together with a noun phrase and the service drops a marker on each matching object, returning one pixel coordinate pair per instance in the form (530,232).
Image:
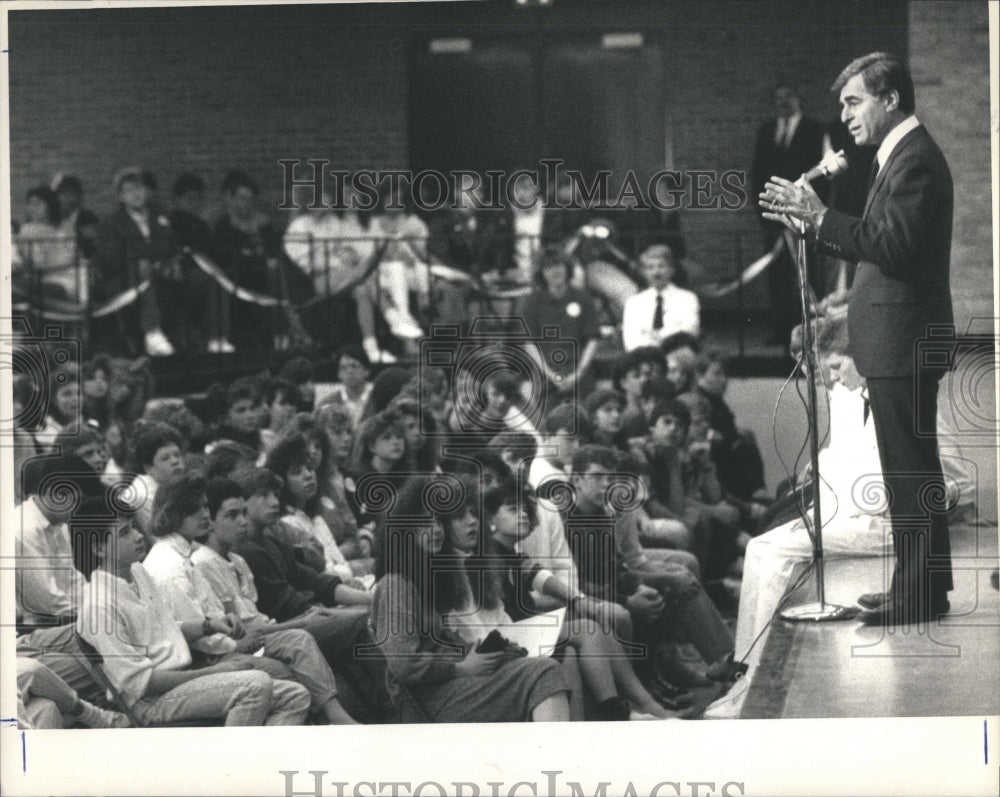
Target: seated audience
(614,567)
(294,463)
(45,253)
(352,366)
(282,400)
(47,587)
(136,244)
(661,309)
(244,413)
(182,515)
(44,700)
(286,587)
(498,590)
(741,469)
(210,302)
(145,651)
(76,218)
(604,408)
(247,249)
(556,303)
(160,457)
(431,670)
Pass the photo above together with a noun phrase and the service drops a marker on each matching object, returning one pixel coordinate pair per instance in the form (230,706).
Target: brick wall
(209,89)
(949,47)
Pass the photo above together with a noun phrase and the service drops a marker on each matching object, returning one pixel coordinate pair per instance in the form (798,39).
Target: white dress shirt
(681,313)
(893,138)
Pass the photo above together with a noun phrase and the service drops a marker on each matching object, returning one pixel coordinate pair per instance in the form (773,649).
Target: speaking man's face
(868,118)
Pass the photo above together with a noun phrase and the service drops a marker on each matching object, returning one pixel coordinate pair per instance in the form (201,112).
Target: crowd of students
(278,551)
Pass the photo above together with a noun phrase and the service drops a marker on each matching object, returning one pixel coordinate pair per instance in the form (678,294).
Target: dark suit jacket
(902,244)
(804,151)
(121,245)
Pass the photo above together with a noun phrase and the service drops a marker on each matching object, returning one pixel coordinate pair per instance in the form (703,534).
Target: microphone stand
(818,610)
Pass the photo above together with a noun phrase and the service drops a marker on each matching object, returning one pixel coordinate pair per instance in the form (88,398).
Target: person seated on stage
(659,595)
(44,700)
(736,454)
(158,453)
(286,586)
(605,407)
(135,244)
(47,587)
(353,368)
(663,308)
(632,374)
(852,497)
(244,414)
(431,670)
(193,232)
(283,400)
(294,642)
(146,654)
(498,591)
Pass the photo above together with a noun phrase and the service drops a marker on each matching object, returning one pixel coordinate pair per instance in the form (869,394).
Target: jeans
(245,697)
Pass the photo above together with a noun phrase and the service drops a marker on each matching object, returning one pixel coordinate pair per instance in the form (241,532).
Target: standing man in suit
(787,146)
(902,243)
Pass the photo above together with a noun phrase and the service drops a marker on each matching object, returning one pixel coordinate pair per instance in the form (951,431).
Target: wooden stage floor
(845,669)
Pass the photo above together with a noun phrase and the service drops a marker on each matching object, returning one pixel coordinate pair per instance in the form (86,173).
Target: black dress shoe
(725,670)
(891,614)
(872,600)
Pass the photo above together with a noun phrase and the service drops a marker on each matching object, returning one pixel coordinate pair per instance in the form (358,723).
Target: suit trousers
(905,411)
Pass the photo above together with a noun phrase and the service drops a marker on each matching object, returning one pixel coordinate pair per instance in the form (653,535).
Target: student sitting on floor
(145,652)
(498,592)
(431,666)
(44,700)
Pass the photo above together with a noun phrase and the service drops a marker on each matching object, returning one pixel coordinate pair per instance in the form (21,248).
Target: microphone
(833,163)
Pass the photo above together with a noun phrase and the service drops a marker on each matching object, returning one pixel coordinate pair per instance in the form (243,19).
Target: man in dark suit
(787,146)
(902,243)
(136,243)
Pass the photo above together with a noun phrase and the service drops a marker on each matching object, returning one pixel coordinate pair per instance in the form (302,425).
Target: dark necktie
(868,409)
(658,312)
(873,173)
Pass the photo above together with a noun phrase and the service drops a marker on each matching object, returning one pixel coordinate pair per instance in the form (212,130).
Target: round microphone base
(818,613)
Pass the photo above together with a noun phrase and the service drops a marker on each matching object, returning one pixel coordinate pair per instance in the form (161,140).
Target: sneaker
(157,344)
(402,324)
(375,354)
(220,346)
(94,717)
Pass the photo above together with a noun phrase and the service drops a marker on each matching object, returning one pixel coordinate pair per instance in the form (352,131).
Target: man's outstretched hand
(792,204)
